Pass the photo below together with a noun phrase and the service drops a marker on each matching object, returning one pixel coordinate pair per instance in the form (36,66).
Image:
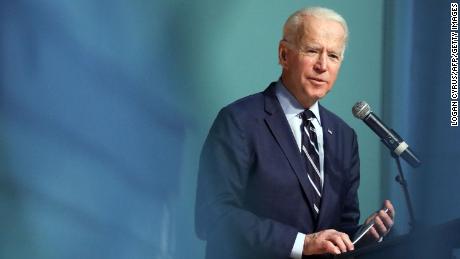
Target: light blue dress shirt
(292,109)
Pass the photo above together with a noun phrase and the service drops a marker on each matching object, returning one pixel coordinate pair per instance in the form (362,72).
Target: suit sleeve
(220,213)
(350,212)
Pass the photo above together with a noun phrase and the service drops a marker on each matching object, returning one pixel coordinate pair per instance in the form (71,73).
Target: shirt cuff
(297,249)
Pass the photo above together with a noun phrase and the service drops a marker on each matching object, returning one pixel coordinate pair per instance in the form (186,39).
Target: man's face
(311,65)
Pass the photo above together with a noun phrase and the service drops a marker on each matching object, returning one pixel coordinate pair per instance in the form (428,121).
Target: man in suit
(279,173)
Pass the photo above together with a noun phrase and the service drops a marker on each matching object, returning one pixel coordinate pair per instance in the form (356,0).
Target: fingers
(338,241)
(373,232)
(327,241)
(391,211)
(341,241)
(330,248)
(383,220)
(346,239)
(380,226)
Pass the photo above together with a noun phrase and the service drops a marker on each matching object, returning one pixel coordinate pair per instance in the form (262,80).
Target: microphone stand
(402,181)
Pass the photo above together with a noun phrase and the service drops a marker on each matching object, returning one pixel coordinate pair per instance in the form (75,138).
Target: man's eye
(334,56)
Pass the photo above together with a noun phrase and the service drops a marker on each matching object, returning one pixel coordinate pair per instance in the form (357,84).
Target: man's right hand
(327,241)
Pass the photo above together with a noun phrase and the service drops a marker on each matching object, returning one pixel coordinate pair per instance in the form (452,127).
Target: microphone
(389,137)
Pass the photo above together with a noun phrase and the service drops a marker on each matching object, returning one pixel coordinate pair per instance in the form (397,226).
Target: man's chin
(317,96)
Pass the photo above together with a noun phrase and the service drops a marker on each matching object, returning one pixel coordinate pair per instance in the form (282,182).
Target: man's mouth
(317,81)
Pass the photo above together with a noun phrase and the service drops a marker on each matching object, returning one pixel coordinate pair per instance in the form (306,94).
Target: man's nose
(321,63)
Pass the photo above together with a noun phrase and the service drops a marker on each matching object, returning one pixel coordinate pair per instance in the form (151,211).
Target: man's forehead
(314,30)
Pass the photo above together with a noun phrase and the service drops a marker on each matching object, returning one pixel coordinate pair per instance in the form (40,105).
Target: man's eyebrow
(311,46)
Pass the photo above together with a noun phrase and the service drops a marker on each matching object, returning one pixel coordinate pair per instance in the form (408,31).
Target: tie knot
(307,114)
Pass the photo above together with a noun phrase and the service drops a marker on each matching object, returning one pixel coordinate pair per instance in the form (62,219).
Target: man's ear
(282,55)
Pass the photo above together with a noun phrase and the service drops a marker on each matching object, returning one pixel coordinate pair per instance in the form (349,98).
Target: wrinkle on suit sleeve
(220,213)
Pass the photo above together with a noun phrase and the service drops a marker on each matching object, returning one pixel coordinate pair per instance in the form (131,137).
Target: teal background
(238,56)
(104,107)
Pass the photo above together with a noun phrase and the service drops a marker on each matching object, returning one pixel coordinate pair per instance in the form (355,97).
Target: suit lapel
(279,126)
(330,194)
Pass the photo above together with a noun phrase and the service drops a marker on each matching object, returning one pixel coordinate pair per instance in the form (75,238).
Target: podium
(425,242)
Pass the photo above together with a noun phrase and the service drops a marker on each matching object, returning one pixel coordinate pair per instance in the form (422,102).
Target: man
(279,173)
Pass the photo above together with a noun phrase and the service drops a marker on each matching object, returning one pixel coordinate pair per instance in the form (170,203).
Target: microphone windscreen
(361,109)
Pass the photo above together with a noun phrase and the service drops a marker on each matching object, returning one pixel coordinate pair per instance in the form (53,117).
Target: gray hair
(291,27)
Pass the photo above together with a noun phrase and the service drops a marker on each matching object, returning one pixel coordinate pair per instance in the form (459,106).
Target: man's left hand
(383,221)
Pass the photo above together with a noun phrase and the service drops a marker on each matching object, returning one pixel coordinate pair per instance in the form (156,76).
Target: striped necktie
(310,153)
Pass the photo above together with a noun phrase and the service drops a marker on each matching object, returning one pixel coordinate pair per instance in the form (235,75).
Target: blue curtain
(417,105)
(91,132)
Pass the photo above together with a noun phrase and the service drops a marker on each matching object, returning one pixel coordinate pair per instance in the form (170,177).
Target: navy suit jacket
(253,190)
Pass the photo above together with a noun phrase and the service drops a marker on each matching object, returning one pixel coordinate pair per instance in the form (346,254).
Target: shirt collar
(291,107)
